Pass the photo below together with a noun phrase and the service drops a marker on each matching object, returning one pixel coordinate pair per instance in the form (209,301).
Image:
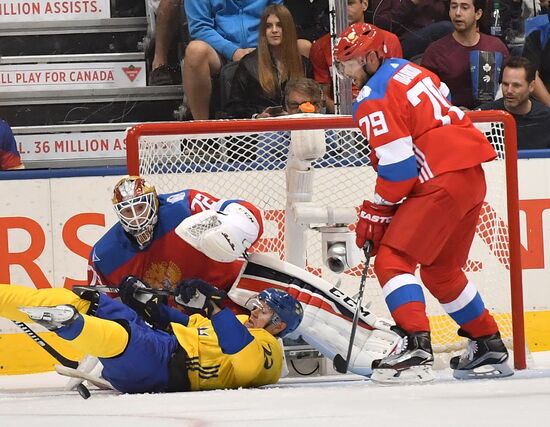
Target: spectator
(537,50)
(260,78)
(167,17)
(416,22)
(303,95)
(221,31)
(9,155)
(449,57)
(321,51)
(312,21)
(532,117)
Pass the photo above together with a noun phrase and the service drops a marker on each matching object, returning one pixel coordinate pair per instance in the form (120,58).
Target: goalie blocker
(328,312)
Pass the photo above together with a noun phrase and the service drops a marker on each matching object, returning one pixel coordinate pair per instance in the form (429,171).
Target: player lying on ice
(221,350)
(428,195)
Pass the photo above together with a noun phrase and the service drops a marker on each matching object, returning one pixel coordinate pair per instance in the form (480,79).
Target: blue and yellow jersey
(223,353)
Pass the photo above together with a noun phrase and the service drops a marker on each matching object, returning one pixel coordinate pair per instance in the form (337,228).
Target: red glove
(373,221)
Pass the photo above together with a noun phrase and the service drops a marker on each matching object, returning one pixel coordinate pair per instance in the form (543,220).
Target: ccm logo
(376,218)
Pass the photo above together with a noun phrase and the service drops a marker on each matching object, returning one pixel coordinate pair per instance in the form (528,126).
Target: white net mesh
(251,166)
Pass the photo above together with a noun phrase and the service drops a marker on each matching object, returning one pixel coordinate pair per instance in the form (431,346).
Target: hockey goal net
(320,165)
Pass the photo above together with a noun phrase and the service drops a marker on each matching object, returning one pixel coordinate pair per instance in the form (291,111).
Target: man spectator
(167,17)
(303,95)
(416,22)
(321,51)
(9,155)
(532,117)
(537,50)
(221,31)
(449,57)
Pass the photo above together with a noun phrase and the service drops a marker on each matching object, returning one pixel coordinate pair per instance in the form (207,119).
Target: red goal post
(267,163)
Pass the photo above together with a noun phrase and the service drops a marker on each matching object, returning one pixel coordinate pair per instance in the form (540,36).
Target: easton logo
(131,72)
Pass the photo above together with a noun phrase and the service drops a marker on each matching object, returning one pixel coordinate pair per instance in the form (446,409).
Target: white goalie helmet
(136,205)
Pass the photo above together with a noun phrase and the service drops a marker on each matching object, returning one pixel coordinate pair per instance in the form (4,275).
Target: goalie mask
(136,205)
(354,44)
(285,308)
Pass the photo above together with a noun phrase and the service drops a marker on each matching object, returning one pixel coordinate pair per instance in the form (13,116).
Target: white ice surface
(522,400)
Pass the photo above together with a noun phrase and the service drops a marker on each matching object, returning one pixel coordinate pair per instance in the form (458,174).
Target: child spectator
(303,95)
(321,51)
(449,57)
(260,78)
(9,155)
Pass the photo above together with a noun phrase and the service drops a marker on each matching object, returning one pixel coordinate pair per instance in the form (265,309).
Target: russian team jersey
(168,259)
(416,134)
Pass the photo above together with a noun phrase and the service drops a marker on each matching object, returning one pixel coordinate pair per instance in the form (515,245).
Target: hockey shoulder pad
(328,312)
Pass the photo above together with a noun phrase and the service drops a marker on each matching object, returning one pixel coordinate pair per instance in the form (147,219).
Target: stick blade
(340,364)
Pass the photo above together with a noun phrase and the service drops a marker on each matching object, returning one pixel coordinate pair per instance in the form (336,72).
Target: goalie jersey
(414,132)
(168,259)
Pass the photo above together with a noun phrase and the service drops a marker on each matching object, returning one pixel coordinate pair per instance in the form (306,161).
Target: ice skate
(485,357)
(51,318)
(411,362)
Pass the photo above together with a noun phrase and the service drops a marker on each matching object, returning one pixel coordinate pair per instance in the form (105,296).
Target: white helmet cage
(136,205)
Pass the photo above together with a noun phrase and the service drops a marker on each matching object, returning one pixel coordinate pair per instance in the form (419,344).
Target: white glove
(221,236)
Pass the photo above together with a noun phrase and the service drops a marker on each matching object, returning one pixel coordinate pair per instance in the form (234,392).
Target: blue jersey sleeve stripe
(226,203)
(400,171)
(404,295)
(470,312)
(233,336)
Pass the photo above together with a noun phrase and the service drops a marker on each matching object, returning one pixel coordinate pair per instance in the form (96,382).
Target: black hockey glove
(199,296)
(143,303)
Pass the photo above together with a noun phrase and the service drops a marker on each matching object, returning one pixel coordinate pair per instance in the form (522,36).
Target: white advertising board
(64,146)
(51,10)
(47,228)
(81,75)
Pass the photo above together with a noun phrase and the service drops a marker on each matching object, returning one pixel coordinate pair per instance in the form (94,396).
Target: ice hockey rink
(337,401)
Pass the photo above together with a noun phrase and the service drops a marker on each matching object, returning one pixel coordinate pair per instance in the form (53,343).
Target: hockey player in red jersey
(429,190)
(166,238)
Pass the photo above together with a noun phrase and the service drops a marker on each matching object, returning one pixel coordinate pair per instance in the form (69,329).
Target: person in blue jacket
(221,31)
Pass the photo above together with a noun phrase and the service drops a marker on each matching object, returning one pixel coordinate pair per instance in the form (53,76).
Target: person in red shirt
(427,199)
(320,54)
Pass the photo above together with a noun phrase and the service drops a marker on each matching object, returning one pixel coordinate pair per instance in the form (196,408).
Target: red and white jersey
(413,130)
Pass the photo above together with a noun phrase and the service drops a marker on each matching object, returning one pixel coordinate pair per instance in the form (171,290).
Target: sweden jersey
(231,358)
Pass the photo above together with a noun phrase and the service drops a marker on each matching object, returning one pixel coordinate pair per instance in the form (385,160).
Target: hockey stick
(114,289)
(52,351)
(340,364)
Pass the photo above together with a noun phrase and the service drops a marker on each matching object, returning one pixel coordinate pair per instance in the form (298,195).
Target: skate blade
(413,375)
(500,370)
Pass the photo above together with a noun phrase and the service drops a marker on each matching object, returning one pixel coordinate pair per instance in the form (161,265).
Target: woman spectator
(258,84)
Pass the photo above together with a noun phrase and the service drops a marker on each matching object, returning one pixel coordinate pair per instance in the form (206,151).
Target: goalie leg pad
(413,375)
(328,312)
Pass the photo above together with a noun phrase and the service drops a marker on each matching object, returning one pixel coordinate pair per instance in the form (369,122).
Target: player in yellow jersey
(213,350)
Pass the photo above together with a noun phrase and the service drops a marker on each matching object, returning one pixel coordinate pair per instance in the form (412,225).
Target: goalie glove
(222,236)
(199,296)
(143,303)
